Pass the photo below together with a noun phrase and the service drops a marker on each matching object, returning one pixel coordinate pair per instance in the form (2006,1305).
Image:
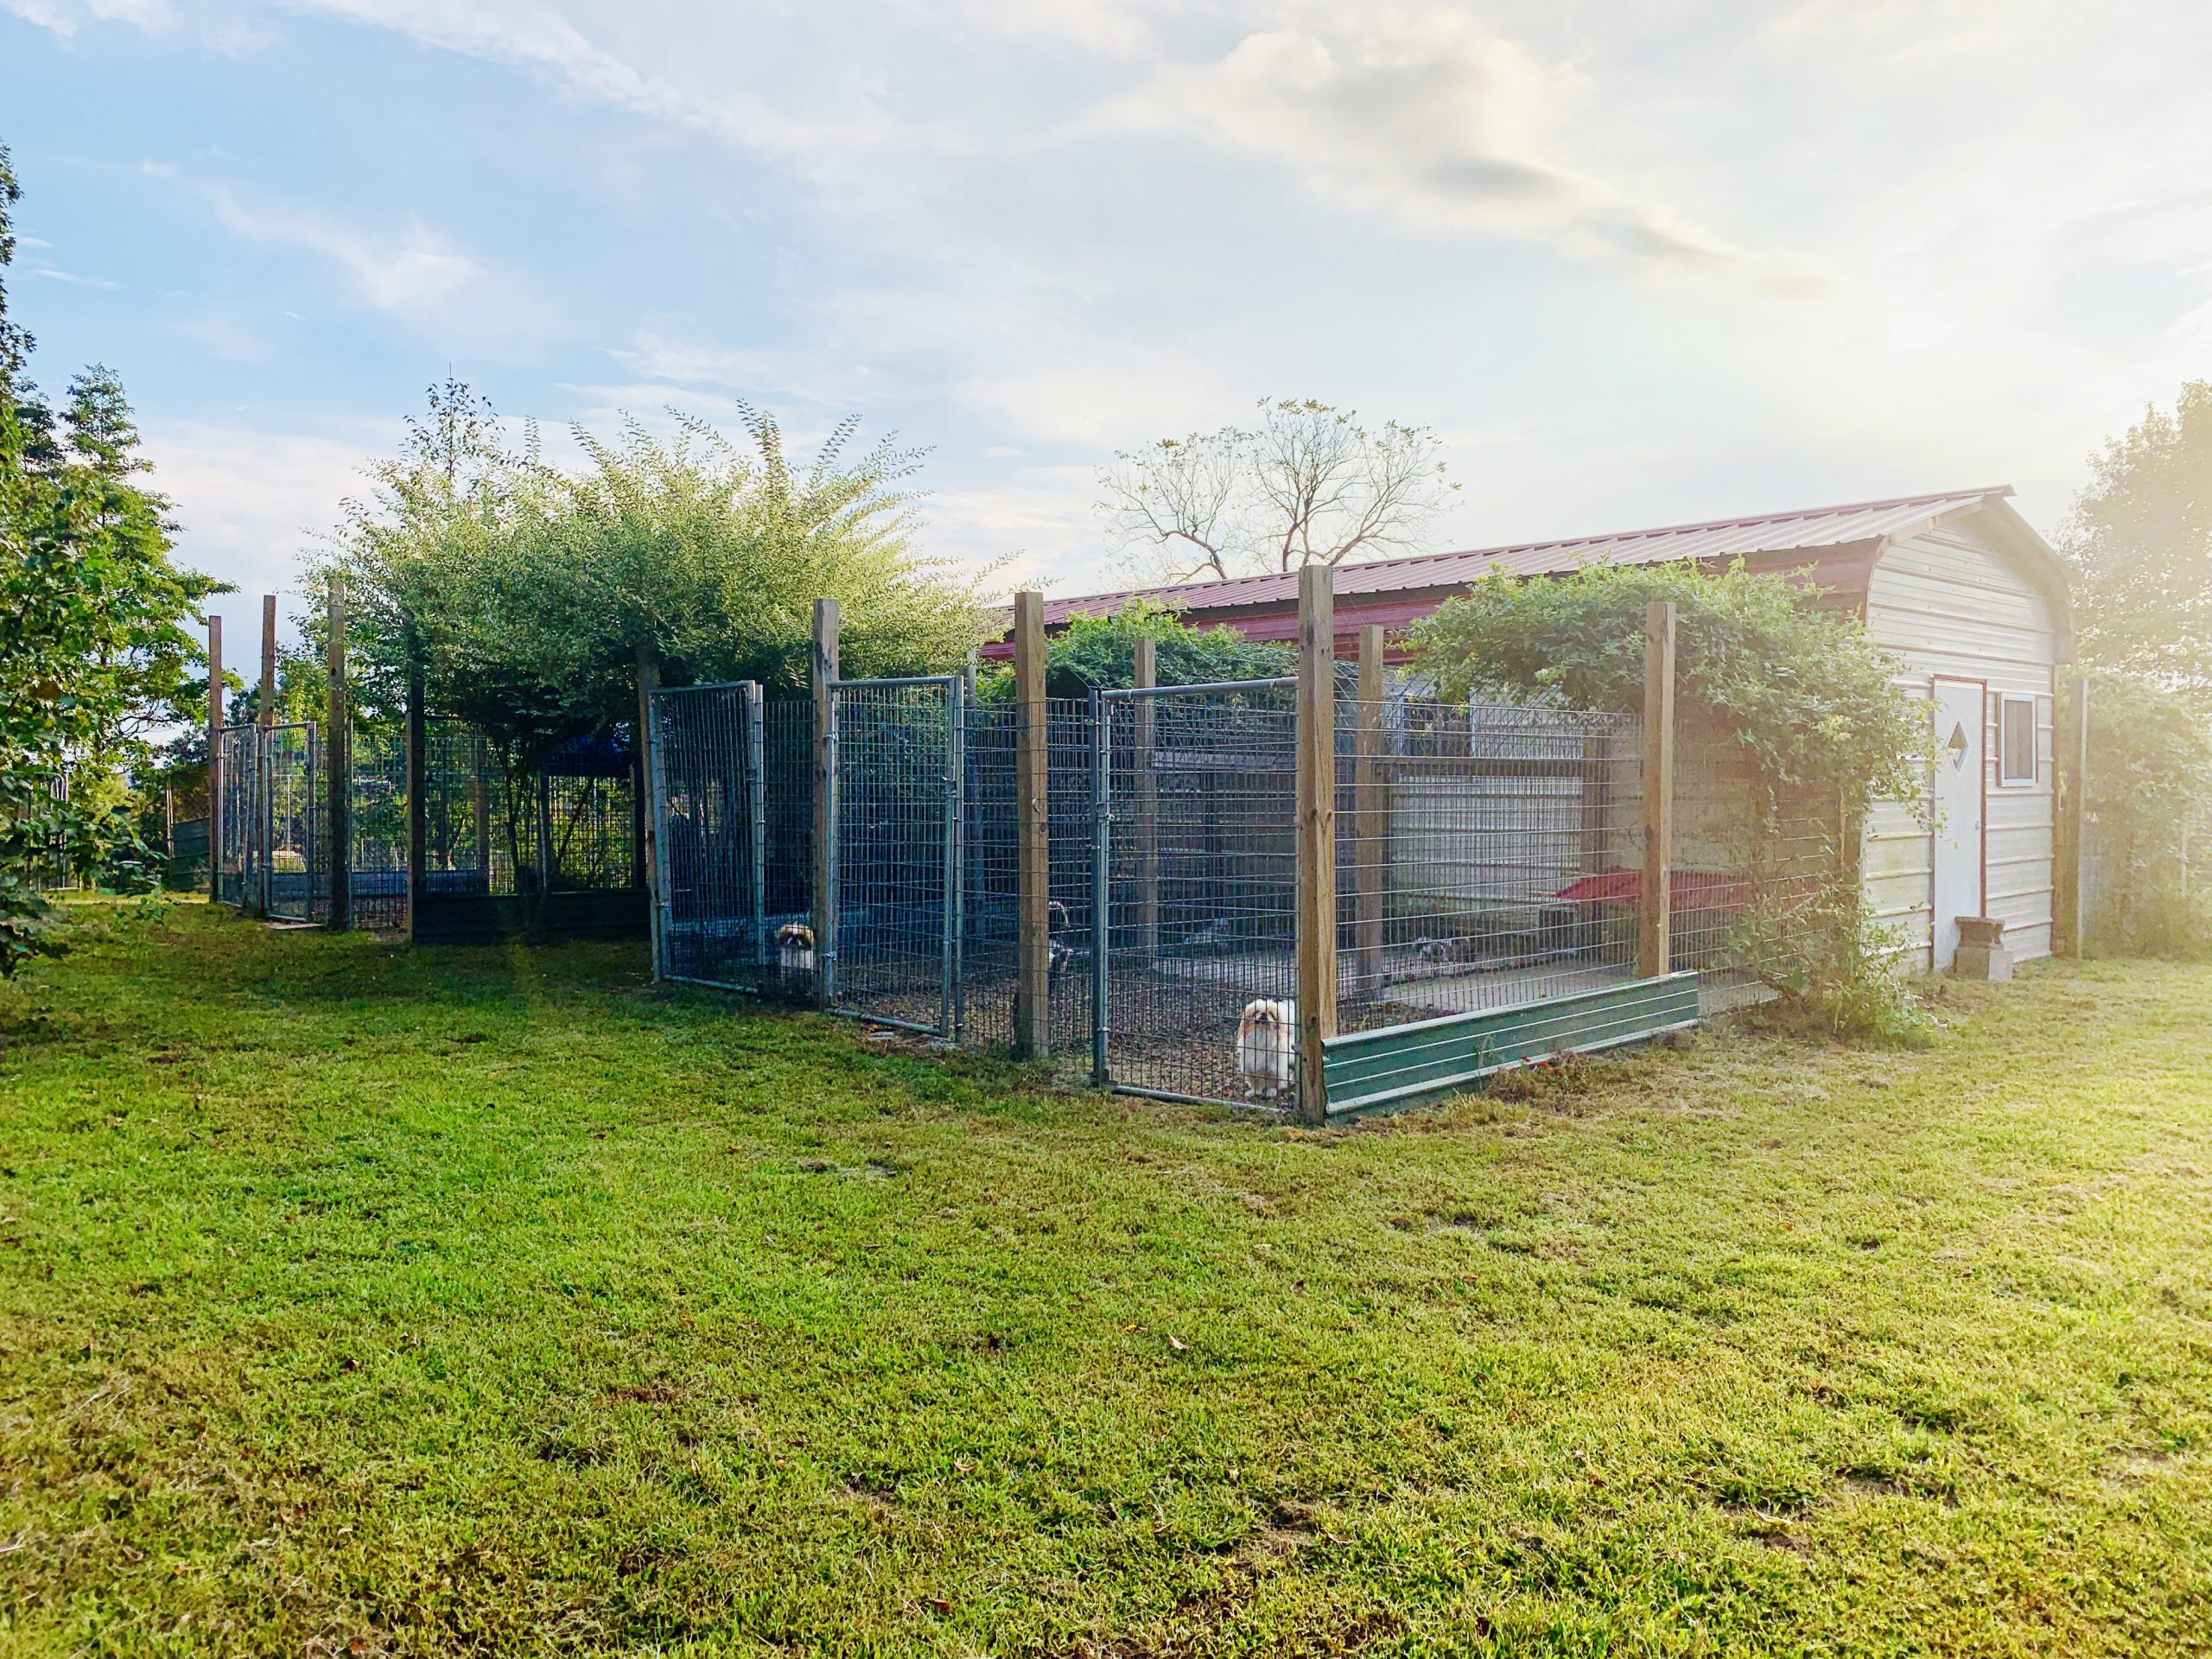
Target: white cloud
(1447,127)
(251,498)
(61,18)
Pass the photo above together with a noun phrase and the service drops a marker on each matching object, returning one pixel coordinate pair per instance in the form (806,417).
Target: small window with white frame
(2015,741)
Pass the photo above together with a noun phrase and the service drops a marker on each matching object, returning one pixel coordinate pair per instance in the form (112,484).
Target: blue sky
(1635,264)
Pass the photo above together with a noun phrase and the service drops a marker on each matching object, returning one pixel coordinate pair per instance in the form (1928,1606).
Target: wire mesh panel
(899,749)
(1193,797)
(990,908)
(1487,855)
(291,825)
(710,757)
(236,866)
(379,828)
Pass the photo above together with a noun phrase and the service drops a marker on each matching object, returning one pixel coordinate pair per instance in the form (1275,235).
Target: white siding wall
(1947,603)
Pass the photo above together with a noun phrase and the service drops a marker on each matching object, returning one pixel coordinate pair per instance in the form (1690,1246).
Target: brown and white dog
(795,954)
(1266,1045)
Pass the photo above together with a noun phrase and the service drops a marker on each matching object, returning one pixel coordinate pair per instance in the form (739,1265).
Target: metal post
(652,774)
(264,818)
(756,803)
(952,1008)
(1654,929)
(337,743)
(1317,835)
(1032,980)
(544,837)
(479,802)
(822,674)
(1102,818)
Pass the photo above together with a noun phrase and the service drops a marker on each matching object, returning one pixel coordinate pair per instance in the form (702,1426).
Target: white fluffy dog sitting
(794,953)
(1266,1046)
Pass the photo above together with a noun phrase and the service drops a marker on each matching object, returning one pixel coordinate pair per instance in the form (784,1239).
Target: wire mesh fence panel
(1194,792)
(898,865)
(1487,855)
(709,755)
(236,866)
(379,828)
(787,805)
(291,826)
(990,913)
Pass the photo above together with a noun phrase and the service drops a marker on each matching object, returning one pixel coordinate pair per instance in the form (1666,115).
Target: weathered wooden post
(1316,737)
(822,680)
(338,762)
(1145,711)
(418,822)
(265,781)
(214,758)
(2069,910)
(1371,809)
(1032,949)
(1655,924)
(646,818)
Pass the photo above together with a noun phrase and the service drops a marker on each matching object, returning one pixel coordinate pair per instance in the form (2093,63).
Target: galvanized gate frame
(1102,862)
(951,994)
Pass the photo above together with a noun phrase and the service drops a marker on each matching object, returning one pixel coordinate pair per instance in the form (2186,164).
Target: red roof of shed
(1808,532)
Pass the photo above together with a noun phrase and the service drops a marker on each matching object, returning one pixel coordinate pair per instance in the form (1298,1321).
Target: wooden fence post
(264,778)
(1032,949)
(338,763)
(2070,750)
(1145,711)
(1370,808)
(1316,737)
(214,758)
(821,673)
(1654,921)
(645,813)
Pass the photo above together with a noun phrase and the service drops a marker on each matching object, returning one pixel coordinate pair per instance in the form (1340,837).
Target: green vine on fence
(1798,693)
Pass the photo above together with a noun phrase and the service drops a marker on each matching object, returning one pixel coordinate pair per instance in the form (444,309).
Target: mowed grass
(358,1300)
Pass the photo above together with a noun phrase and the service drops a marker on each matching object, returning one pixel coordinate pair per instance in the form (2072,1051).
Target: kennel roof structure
(1834,547)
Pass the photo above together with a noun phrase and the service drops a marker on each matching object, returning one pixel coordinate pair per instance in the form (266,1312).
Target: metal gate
(290,824)
(713,925)
(898,755)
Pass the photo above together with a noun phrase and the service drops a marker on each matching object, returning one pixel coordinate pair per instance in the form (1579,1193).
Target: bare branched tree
(1308,484)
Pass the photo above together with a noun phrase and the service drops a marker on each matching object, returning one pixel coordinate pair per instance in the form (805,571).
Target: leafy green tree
(93,651)
(527,595)
(1099,652)
(2139,537)
(2149,805)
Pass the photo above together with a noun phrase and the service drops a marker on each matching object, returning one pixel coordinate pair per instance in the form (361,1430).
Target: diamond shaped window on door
(1958,748)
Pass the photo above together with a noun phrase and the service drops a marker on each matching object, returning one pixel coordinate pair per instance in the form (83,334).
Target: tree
(93,651)
(526,593)
(2139,537)
(1308,484)
(1099,652)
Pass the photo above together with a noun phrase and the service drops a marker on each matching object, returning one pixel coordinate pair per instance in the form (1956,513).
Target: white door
(1956,884)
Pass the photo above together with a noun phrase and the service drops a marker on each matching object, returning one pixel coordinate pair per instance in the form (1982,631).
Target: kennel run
(1317,893)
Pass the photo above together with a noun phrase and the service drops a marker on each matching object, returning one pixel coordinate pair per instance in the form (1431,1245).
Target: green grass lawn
(357,1300)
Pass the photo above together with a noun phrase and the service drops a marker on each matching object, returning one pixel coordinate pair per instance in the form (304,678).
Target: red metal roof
(1805,530)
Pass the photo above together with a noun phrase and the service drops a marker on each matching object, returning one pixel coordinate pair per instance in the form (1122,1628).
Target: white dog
(795,952)
(1266,1046)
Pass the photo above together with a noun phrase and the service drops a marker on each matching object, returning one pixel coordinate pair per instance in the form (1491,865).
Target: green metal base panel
(1405,1065)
